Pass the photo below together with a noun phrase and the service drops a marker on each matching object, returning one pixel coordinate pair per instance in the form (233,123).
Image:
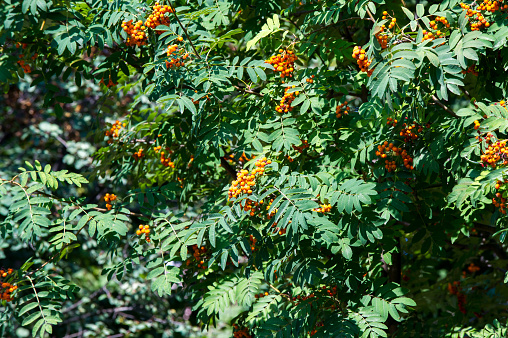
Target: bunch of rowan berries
(499,201)
(323,208)
(261,295)
(144,230)
(305,145)
(6,289)
(175,55)
(138,154)
(240,332)
(476,124)
(362,60)
(251,206)
(456,289)
(310,79)
(166,161)
(136,35)
(26,68)
(495,152)
(198,253)
(394,151)
(391,122)
(479,21)
(285,103)
(109,198)
(253,240)
(114,131)
(274,211)
(410,132)
(245,181)
(158,17)
(340,110)
(284,62)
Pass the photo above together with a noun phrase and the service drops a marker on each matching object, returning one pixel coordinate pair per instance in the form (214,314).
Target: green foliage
(366,204)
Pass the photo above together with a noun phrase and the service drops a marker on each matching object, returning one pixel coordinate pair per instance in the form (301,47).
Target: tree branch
(445,108)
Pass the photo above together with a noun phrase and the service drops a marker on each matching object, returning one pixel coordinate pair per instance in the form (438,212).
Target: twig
(445,108)
(184,30)
(228,168)
(370,16)
(249,91)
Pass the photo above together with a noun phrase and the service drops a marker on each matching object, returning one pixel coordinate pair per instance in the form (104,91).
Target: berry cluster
(26,68)
(198,253)
(251,205)
(176,56)
(472,268)
(240,332)
(253,242)
(324,208)
(340,110)
(158,17)
(139,154)
(245,180)
(114,131)
(495,153)
(285,103)
(361,59)
(410,132)
(310,80)
(305,145)
(476,125)
(499,201)
(144,230)
(6,288)
(456,289)
(136,35)
(261,295)
(386,149)
(477,19)
(391,122)
(109,198)
(284,62)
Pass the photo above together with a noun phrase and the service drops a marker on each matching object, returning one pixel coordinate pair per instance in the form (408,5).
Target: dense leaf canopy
(253,168)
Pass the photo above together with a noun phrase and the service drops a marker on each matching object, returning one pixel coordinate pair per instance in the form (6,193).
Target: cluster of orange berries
(494,153)
(138,154)
(499,201)
(109,198)
(26,68)
(395,151)
(476,124)
(480,21)
(318,325)
(456,289)
(340,110)
(472,268)
(310,80)
(471,70)
(324,208)
(253,242)
(305,145)
(114,131)
(6,288)
(410,132)
(261,295)
(137,31)
(172,53)
(198,252)
(274,211)
(251,205)
(240,332)
(158,17)
(245,180)
(285,103)
(391,122)
(166,161)
(361,59)
(382,37)
(144,230)
(284,62)
(136,35)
